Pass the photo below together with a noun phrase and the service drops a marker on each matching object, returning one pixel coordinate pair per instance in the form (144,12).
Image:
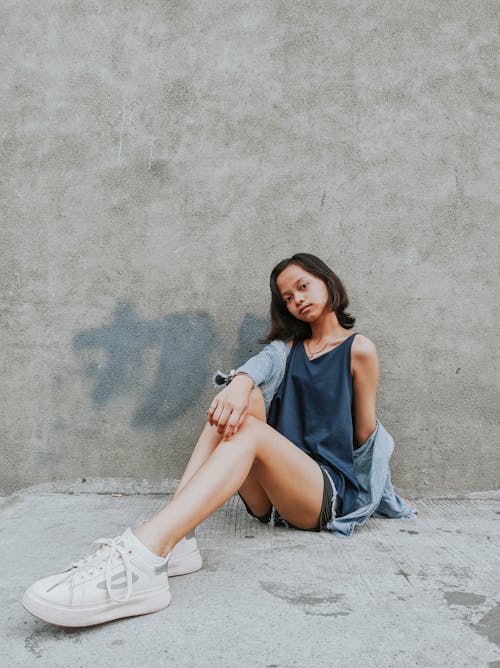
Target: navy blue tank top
(313,408)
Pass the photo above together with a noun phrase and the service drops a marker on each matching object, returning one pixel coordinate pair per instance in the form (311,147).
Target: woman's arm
(365,371)
(228,408)
(262,366)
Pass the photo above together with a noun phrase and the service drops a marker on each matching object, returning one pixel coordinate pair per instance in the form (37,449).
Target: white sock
(150,557)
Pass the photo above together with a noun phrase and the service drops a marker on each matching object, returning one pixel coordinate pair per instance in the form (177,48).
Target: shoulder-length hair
(283,324)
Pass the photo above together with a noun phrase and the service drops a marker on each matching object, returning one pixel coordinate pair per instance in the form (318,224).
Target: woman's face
(304,294)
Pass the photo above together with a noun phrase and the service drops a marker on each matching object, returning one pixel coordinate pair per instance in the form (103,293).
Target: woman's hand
(229,408)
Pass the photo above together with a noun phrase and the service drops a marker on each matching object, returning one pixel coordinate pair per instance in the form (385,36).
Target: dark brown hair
(283,324)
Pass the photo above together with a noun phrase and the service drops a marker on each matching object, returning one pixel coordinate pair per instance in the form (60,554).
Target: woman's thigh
(252,491)
(290,479)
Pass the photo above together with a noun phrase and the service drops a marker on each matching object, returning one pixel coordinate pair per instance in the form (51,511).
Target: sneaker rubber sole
(141,603)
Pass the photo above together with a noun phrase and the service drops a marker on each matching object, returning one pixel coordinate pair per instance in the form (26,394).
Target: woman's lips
(304,309)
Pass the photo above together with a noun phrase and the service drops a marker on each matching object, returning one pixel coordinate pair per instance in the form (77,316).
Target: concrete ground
(422,592)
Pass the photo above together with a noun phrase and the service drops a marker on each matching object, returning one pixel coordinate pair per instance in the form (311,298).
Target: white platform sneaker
(185,557)
(112,582)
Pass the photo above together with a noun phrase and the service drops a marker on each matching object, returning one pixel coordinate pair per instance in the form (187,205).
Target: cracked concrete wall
(159,158)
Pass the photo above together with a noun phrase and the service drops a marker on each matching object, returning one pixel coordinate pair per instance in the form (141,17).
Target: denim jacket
(376,497)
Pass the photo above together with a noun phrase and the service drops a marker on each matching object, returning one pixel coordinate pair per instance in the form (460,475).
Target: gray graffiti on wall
(164,364)
(252,328)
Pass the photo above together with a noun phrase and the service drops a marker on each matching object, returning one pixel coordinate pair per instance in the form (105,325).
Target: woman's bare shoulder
(363,347)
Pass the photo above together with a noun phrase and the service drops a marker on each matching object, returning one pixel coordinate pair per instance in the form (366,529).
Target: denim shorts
(330,507)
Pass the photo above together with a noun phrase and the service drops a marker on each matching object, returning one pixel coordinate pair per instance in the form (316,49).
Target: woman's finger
(218,412)
(211,410)
(237,423)
(221,422)
(241,418)
(231,425)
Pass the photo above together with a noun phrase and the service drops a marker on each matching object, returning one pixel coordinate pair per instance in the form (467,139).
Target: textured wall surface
(158,158)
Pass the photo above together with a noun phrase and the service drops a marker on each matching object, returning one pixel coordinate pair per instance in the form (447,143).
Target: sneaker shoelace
(109,550)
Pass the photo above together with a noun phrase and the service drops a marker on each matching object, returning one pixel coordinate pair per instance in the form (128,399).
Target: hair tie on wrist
(220,378)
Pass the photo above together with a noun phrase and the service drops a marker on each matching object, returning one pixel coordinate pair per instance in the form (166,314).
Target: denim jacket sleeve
(267,369)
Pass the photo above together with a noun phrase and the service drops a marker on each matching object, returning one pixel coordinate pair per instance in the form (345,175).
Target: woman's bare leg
(291,479)
(210,438)
(251,489)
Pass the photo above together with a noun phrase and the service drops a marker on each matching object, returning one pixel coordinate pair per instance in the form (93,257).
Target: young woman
(293,463)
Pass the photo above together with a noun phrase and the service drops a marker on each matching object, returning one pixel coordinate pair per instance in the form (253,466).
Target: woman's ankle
(144,534)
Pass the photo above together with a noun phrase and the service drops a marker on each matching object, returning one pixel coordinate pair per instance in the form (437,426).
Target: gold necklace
(312,355)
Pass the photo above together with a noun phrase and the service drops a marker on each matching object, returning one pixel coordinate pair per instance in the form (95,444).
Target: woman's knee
(247,433)
(251,434)
(250,424)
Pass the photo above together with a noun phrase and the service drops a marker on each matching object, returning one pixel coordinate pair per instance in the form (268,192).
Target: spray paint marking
(164,363)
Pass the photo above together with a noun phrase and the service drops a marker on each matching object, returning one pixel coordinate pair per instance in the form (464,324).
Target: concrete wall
(158,158)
